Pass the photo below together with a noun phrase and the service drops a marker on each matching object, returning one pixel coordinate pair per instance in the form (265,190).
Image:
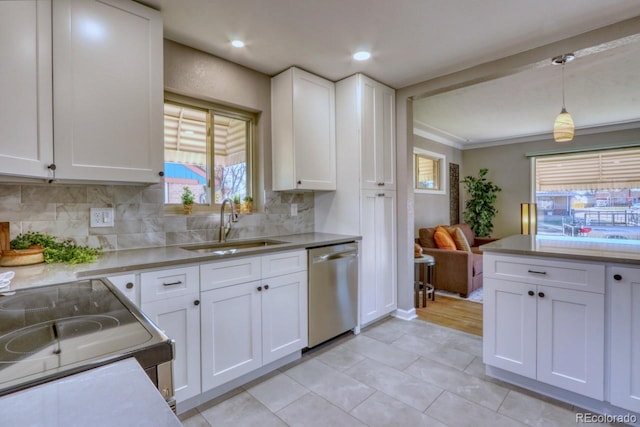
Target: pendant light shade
(563,128)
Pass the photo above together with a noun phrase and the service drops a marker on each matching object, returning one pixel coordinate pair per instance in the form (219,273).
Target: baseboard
(405,314)
(585,403)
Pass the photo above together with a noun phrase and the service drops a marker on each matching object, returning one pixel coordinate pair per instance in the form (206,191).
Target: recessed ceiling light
(237,43)
(363,55)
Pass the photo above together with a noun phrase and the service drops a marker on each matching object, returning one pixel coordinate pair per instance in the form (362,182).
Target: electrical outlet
(101,217)
(294,209)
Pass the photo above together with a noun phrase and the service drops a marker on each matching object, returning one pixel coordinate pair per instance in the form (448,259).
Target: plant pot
(17,257)
(247,207)
(187,209)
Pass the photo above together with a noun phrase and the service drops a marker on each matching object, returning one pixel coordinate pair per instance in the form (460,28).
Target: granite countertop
(117,394)
(118,262)
(581,248)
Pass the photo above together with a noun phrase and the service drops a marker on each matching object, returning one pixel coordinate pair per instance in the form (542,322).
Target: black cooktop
(53,331)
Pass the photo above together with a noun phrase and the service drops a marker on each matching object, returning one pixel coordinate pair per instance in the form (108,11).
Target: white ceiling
(416,40)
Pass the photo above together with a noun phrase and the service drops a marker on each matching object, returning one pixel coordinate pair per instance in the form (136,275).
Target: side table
(427,287)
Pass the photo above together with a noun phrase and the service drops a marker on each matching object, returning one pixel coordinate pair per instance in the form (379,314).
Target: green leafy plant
(188,198)
(236,199)
(56,250)
(480,208)
(248,199)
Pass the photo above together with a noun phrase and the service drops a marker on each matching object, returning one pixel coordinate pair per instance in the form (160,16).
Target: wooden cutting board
(5,236)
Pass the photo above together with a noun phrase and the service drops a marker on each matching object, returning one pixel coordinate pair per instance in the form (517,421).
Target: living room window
(207,148)
(428,171)
(589,194)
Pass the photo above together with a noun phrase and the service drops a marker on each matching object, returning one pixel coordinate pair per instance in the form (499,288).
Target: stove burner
(34,338)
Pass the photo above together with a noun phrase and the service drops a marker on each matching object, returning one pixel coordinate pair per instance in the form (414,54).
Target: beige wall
(191,72)
(509,168)
(433,209)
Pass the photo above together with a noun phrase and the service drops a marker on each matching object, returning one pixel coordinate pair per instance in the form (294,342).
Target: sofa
(456,270)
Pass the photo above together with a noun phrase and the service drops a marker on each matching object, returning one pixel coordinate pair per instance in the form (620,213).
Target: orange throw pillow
(444,240)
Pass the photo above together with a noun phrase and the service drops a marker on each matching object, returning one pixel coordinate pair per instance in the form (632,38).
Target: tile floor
(395,373)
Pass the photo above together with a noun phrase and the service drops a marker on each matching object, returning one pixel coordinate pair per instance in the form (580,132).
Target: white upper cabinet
(303,131)
(26,139)
(377,133)
(108,86)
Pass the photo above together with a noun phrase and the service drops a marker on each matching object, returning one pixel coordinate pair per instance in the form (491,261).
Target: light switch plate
(294,209)
(101,217)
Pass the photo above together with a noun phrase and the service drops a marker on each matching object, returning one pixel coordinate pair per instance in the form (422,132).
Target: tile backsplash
(63,211)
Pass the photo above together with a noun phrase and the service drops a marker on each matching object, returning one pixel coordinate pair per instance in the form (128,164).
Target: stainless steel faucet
(224,230)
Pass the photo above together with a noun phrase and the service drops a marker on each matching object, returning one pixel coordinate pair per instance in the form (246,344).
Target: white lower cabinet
(247,325)
(623,286)
(171,299)
(378,286)
(126,283)
(179,318)
(548,333)
(231,333)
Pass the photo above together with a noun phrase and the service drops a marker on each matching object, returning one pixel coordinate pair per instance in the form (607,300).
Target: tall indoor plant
(480,208)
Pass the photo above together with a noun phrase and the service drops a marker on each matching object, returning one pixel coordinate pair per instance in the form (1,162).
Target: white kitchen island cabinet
(623,284)
(108,91)
(26,120)
(303,131)
(249,324)
(537,324)
(171,299)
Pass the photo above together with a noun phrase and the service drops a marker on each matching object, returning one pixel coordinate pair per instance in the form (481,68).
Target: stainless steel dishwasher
(333,291)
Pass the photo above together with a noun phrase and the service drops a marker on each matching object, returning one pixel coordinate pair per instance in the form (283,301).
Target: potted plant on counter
(247,206)
(480,209)
(187,200)
(236,203)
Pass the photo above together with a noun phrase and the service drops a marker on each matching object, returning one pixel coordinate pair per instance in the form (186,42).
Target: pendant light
(563,128)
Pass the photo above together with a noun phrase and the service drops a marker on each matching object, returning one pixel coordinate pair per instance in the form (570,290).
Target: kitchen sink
(230,247)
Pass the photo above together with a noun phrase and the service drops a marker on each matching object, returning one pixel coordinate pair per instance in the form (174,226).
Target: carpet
(475,296)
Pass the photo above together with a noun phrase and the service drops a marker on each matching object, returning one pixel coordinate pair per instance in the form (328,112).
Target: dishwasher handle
(334,256)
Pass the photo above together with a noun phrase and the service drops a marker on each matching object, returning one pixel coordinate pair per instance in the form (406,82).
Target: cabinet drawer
(169,283)
(284,263)
(126,284)
(225,273)
(545,271)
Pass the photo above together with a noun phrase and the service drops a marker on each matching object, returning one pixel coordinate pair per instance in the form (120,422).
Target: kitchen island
(562,317)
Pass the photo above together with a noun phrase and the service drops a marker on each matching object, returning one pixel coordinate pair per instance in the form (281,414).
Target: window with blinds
(589,194)
(596,170)
(206,149)
(428,171)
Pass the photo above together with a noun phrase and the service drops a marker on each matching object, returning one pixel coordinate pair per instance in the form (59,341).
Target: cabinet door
(108,86)
(26,121)
(126,284)
(179,318)
(303,131)
(284,315)
(571,340)
(314,132)
(377,134)
(231,333)
(378,285)
(624,331)
(509,331)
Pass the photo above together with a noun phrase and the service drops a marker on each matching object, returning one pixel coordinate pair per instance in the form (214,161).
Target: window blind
(595,170)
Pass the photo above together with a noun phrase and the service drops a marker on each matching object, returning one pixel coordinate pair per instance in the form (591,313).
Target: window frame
(212,109)
(440,160)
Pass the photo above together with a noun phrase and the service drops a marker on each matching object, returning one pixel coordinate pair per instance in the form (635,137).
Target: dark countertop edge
(566,253)
(194,258)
